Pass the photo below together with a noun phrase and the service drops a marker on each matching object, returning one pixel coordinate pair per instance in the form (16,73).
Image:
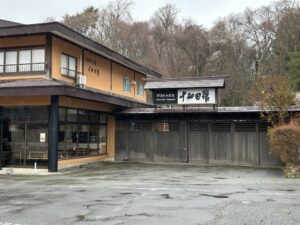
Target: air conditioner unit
(133,82)
(81,80)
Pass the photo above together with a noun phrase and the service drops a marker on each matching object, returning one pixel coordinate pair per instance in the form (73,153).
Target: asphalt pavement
(138,194)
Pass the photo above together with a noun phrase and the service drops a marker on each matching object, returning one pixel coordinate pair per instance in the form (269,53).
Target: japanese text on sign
(197,96)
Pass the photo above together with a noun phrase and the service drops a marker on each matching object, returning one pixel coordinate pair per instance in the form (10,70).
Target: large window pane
(83,116)
(102,139)
(11,61)
(71,139)
(94,117)
(83,131)
(103,118)
(37,114)
(72,115)
(64,64)
(72,66)
(37,143)
(140,89)
(93,139)
(62,114)
(126,84)
(24,60)
(1,62)
(62,144)
(38,60)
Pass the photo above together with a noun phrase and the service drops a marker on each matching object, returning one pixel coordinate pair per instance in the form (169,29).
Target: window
(38,59)
(68,65)
(24,60)
(1,62)
(126,84)
(140,89)
(11,61)
(27,60)
(81,133)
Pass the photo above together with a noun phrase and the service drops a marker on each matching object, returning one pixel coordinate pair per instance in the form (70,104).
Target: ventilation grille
(245,127)
(198,126)
(221,127)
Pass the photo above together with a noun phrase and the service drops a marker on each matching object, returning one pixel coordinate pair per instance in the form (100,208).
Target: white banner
(196,96)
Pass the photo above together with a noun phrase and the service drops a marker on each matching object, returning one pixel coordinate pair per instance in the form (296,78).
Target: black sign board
(166,96)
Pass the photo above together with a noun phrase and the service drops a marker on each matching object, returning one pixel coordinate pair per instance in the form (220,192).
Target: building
(66,100)
(188,126)
(59,92)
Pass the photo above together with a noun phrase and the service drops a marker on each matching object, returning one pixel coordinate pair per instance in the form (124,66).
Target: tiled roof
(6,23)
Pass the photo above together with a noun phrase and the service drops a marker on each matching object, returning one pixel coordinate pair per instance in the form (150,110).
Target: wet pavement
(136,193)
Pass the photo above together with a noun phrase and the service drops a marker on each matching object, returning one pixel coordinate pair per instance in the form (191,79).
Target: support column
(1,138)
(53,135)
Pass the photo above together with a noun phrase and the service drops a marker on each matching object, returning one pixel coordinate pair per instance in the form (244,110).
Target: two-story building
(58,94)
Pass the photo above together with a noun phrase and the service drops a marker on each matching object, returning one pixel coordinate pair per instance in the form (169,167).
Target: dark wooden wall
(223,142)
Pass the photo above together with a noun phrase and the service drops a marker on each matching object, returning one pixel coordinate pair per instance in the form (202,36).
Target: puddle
(139,214)
(214,196)
(166,196)
(126,193)
(80,217)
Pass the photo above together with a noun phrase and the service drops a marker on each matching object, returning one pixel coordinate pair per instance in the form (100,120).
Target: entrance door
(24,144)
(36,144)
(13,144)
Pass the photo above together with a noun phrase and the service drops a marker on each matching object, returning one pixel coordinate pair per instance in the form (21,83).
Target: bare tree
(260,30)
(83,22)
(193,40)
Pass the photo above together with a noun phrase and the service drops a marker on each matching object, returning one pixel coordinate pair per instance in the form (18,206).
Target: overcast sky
(204,12)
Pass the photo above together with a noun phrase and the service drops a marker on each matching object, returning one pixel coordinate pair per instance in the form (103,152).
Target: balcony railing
(23,68)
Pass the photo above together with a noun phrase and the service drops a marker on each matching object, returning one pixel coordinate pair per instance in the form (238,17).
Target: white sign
(196,96)
(42,137)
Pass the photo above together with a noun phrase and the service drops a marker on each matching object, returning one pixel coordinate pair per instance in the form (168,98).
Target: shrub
(285,144)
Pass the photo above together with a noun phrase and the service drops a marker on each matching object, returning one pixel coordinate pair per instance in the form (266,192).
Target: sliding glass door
(25,136)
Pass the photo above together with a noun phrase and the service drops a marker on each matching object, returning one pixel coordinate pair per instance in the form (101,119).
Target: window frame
(66,123)
(3,63)
(68,66)
(138,88)
(126,85)
(17,70)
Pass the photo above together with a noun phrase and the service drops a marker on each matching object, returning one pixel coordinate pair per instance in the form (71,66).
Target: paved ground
(135,194)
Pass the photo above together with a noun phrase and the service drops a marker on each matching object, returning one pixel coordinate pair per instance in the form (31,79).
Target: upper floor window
(1,62)
(68,65)
(20,61)
(140,89)
(126,84)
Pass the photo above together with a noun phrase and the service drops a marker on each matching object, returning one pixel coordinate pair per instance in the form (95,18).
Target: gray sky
(204,12)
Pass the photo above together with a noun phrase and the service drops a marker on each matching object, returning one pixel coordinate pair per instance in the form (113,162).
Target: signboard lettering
(196,96)
(165,96)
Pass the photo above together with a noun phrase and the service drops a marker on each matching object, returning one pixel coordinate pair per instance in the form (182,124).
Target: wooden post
(53,135)
(1,138)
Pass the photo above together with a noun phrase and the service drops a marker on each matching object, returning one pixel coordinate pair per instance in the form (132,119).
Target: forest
(248,46)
